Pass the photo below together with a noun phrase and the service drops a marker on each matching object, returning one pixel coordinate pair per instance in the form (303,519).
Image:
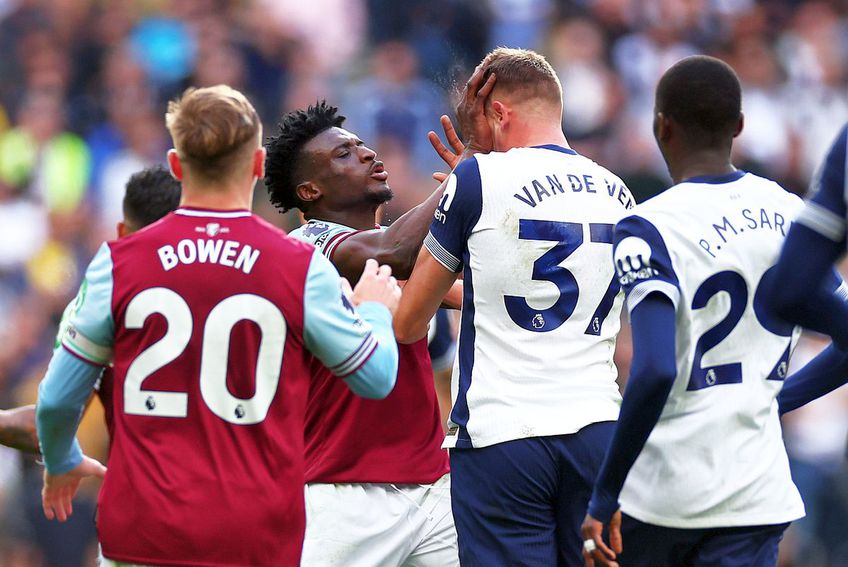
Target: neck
(219,197)
(526,136)
(363,218)
(698,163)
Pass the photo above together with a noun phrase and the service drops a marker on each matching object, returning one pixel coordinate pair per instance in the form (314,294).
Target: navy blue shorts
(647,545)
(521,503)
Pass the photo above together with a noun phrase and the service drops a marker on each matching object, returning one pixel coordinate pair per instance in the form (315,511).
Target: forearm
(825,373)
(422,296)
(651,378)
(402,240)
(453,298)
(397,246)
(376,376)
(62,396)
(17,429)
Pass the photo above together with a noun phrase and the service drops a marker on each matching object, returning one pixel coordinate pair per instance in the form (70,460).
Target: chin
(380,195)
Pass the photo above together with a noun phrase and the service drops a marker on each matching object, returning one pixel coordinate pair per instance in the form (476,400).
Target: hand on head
(471,111)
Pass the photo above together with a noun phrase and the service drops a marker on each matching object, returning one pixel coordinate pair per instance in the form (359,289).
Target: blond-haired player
(530,226)
(210,319)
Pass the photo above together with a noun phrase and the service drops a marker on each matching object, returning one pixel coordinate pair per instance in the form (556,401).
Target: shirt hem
(732,521)
(478,443)
(414,480)
(169,563)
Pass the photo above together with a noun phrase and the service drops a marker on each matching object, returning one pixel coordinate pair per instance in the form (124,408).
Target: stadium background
(83,88)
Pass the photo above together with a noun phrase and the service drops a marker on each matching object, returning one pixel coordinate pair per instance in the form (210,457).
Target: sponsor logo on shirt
(441,212)
(633,261)
(315,228)
(212,229)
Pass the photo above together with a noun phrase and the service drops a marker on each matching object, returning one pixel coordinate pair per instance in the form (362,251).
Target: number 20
(215,354)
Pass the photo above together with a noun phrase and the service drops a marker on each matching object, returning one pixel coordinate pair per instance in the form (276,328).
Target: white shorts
(364,525)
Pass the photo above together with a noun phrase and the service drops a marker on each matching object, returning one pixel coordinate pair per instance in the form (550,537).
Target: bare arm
(397,246)
(422,295)
(17,429)
(453,298)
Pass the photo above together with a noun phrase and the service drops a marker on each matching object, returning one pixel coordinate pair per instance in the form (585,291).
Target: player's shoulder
(521,158)
(774,190)
(315,228)
(283,242)
(320,233)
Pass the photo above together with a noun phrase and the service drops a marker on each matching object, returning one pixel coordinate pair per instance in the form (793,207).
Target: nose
(366,154)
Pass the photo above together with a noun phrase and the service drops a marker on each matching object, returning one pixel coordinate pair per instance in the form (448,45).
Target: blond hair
(215,130)
(523,72)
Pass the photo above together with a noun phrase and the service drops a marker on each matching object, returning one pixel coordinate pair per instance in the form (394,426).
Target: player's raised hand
(594,547)
(470,111)
(377,284)
(59,490)
(452,155)
(17,429)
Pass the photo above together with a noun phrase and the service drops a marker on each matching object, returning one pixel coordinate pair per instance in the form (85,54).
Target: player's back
(209,394)
(716,452)
(541,307)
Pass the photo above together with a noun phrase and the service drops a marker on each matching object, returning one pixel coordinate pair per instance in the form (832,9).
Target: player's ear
(662,127)
(308,192)
(259,162)
(122,229)
(500,112)
(175,165)
(739,125)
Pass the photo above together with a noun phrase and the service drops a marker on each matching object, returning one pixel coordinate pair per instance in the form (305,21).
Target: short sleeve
(326,237)
(826,208)
(455,217)
(642,262)
(90,332)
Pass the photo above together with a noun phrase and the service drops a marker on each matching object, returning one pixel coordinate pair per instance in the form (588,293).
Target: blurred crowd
(84,86)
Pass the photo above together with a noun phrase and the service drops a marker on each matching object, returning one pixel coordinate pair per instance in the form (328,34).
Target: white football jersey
(531,231)
(716,457)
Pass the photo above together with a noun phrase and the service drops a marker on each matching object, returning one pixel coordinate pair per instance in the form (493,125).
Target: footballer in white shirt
(697,464)
(529,225)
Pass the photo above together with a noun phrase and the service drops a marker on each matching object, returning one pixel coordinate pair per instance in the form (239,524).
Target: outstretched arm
(651,378)
(397,246)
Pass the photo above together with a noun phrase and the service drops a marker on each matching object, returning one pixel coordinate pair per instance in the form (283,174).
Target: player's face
(346,170)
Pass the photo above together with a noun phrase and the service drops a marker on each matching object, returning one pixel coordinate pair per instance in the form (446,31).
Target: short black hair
(151,194)
(296,129)
(702,94)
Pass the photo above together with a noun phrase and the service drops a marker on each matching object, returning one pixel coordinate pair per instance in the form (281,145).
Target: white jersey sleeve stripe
(90,327)
(823,221)
(442,256)
(354,359)
(85,348)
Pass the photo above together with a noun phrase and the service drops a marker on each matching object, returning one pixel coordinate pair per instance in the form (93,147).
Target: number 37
(568,237)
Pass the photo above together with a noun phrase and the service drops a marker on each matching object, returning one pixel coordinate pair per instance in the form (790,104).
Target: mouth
(379,172)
